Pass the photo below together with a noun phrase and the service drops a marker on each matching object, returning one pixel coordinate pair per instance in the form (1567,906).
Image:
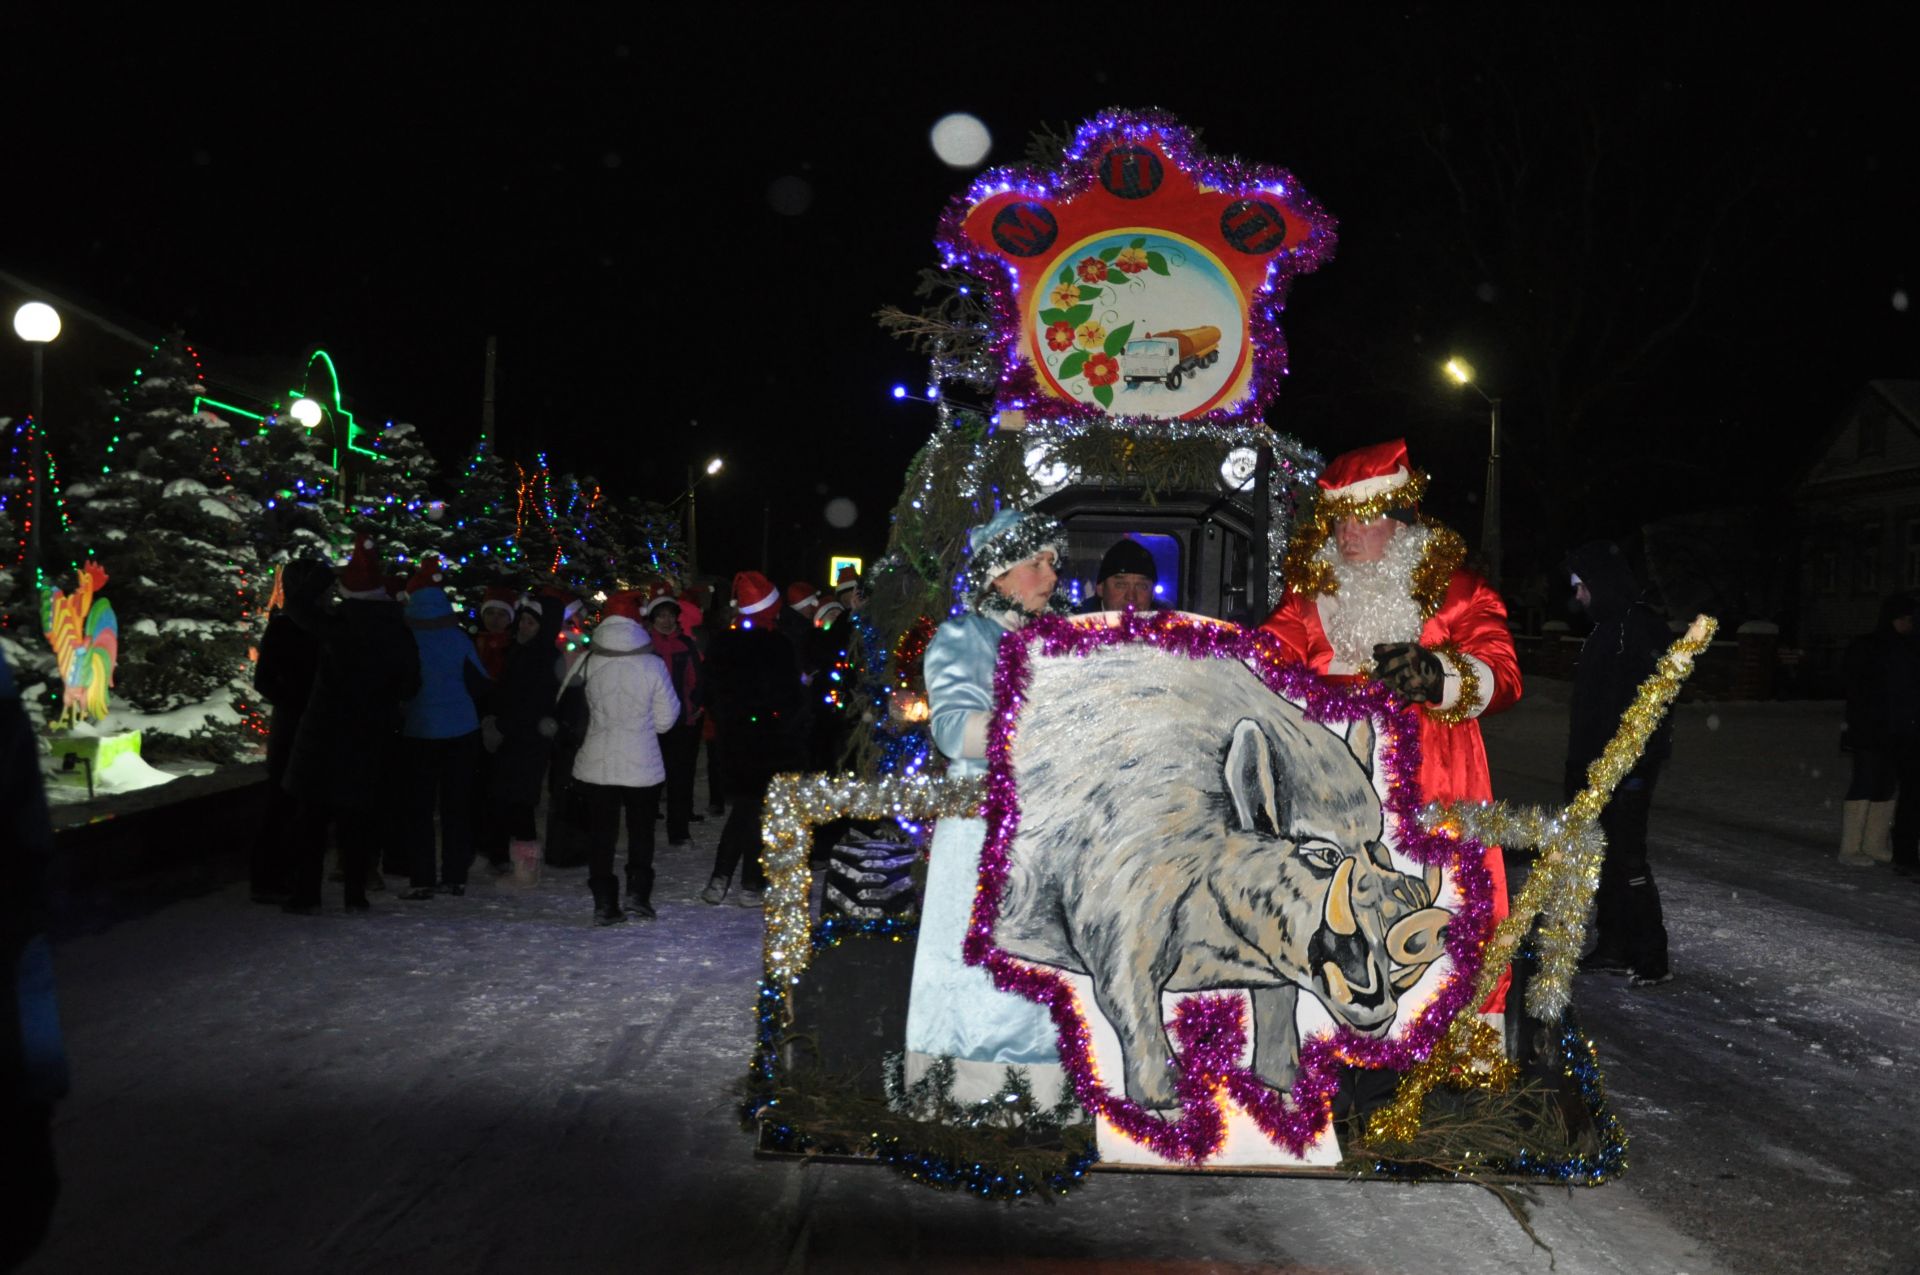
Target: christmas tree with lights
(480,519)
(177,532)
(394,499)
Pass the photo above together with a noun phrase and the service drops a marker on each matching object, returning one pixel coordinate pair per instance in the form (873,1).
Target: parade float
(1104,337)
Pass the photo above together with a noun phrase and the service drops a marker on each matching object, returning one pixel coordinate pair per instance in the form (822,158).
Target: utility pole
(486,396)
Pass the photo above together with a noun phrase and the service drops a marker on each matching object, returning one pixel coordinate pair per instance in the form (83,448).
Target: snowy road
(489,1084)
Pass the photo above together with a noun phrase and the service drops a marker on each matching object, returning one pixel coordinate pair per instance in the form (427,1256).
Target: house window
(1910,577)
(1866,560)
(1826,572)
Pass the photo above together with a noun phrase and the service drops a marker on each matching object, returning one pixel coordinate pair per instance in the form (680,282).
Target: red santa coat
(1453,757)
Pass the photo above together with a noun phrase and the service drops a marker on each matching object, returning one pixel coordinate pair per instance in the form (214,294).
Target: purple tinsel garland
(1019,386)
(1209,1029)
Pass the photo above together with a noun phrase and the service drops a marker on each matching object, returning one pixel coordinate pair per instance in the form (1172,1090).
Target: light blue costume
(955,1011)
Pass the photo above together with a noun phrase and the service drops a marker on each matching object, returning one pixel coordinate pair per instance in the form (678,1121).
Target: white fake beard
(1373,604)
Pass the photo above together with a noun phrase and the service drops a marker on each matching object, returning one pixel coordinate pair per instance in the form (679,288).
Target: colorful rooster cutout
(86,640)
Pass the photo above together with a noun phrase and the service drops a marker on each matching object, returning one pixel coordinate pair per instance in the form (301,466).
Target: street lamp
(694,480)
(37,323)
(308,413)
(1462,373)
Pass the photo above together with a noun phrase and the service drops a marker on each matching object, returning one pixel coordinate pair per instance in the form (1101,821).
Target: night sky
(1674,248)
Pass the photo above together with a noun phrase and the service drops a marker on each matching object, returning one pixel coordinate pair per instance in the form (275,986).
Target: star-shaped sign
(1139,278)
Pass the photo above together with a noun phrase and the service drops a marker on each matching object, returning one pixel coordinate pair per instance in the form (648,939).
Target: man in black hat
(1126,578)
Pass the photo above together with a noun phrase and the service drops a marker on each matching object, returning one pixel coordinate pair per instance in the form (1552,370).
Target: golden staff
(1557,892)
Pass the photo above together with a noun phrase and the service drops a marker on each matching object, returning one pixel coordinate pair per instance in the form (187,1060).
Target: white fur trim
(1367,488)
(501,603)
(755,608)
(1450,694)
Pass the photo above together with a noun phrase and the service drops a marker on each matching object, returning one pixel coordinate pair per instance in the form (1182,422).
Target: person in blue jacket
(954,1011)
(440,739)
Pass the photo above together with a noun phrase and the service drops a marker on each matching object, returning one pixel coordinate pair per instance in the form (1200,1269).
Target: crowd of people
(424,749)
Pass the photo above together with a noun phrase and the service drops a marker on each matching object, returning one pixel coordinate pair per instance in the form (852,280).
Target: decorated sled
(1216,871)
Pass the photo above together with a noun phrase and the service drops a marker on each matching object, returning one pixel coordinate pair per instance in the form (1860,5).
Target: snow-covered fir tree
(288,475)
(479,519)
(177,537)
(394,497)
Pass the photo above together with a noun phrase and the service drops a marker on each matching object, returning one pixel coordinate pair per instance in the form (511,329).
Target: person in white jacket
(630,704)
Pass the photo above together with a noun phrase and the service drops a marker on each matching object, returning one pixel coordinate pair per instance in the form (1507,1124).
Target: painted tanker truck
(1171,356)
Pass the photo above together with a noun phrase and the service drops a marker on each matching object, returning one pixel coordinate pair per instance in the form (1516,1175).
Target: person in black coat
(519,728)
(759,710)
(1629,636)
(33,1056)
(1883,733)
(284,673)
(343,766)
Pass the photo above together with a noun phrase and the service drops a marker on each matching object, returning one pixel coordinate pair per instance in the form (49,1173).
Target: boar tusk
(1433,882)
(1337,983)
(1340,900)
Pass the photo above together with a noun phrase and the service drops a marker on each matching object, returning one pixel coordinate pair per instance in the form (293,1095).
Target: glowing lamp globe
(713,466)
(306,411)
(36,321)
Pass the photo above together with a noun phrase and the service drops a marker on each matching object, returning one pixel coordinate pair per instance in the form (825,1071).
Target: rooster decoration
(86,641)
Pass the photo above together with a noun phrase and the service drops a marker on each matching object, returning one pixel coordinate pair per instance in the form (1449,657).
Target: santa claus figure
(1376,591)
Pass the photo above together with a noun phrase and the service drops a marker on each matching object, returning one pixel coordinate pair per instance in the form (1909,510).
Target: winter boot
(1876,844)
(526,863)
(606,902)
(640,893)
(716,890)
(1853,832)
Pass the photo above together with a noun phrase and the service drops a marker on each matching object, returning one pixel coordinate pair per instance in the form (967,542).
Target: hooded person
(1882,674)
(440,739)
(1628,638)
(1376,590)
(630,704)
(347,749)
(519,733)
(955,1013)
(758,707)
(289,661)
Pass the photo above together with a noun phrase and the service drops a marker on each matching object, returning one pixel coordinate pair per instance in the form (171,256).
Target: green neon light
(215,403)
(354,431)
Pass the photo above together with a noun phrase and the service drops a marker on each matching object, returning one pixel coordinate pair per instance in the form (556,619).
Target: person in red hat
(496,628)
(346,753)
(759,714)
(1375,590)
(680,746)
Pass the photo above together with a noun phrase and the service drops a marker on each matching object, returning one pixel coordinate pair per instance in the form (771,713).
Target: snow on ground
(491,1084)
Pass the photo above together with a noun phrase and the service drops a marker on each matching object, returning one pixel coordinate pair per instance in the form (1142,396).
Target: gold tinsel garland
(1558,891)
(796,804)
(1470,702)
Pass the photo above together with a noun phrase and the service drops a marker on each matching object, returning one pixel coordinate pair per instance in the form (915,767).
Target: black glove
(1410,669)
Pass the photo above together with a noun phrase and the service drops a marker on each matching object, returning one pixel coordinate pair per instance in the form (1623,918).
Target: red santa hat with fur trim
(1379,474)
(361,577)
(756,597)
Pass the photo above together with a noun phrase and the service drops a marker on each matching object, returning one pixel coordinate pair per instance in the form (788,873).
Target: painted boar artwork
(1209,864)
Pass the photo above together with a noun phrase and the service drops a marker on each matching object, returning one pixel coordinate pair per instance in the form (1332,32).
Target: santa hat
(755,595)
(691,617)
(803,597)
(500,597)
(1370,481)
(828,614)
(658,596)
(429,575)
(848,581)
(1005,541)
(361,577)
(626,602)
